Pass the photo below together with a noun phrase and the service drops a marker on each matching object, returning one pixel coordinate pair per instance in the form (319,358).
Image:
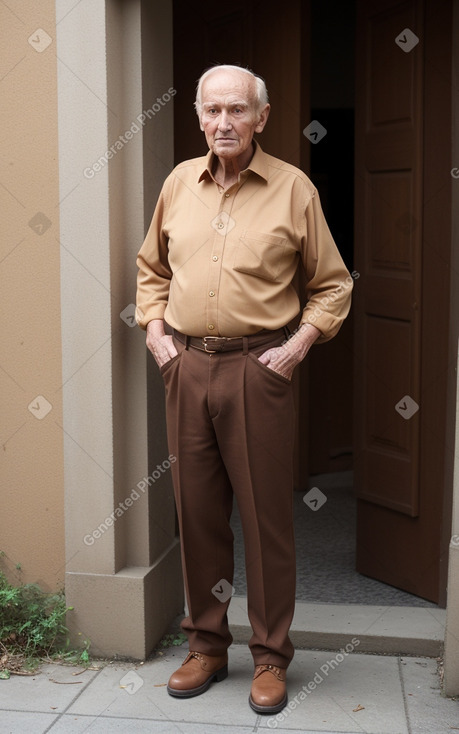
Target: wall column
(122,554)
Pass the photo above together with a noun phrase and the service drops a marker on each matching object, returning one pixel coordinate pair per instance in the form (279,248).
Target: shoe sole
(267,709)
(218,676)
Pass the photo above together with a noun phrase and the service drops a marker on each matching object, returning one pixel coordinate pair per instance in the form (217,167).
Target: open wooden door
(400,476)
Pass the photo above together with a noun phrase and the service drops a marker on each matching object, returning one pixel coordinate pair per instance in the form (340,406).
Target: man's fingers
(162,349)
(172,352)
(278,360)
(274,358)
(167,343)
(267,356)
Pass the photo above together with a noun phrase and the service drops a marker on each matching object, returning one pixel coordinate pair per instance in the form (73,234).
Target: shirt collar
(258,164)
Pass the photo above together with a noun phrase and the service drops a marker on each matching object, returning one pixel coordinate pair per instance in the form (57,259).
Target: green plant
(32,625)
(172,639)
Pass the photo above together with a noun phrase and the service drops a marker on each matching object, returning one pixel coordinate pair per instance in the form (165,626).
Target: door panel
(390,444)
(401,511)
(389,128)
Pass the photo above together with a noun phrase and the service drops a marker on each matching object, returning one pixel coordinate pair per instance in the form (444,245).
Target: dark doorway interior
(323,48)
(332,171)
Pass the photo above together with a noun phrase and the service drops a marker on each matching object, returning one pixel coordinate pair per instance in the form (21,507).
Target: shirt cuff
(152,312)
(327,324)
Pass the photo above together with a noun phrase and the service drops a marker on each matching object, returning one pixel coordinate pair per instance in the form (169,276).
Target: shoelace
(277,672)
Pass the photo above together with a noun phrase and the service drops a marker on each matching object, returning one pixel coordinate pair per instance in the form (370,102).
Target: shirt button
(211,326)
(211,293)
(215,258)
(226,196)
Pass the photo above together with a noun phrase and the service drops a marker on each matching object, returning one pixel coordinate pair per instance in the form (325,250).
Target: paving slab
(19,722)
(342,693)
(428,711)
(50,690)
(145,695)
(105,725)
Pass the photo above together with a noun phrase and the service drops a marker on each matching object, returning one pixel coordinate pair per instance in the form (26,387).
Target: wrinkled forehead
(229,86)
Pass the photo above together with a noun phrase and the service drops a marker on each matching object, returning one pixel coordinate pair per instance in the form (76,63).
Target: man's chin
(226,149)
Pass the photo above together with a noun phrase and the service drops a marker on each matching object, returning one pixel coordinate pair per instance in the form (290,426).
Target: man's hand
(285,358)
(160,344)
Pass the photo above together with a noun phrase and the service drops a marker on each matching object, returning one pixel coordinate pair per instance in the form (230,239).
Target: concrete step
(379,629)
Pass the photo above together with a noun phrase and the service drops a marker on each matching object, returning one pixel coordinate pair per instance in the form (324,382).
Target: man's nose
(224,123)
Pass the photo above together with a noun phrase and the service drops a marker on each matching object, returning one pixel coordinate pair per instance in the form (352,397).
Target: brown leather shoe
(269,692)
(196,674)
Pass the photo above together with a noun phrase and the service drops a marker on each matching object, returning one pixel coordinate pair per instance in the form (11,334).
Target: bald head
(228,74)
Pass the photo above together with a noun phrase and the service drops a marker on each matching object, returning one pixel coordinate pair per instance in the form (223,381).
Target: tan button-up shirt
(221,263)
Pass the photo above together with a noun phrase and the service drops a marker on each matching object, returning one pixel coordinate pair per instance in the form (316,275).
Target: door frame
(439,280)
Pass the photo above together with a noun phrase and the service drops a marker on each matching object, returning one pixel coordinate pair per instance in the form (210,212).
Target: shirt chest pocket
(260,254)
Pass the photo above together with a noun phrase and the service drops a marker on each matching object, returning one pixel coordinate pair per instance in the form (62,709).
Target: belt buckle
(214,339)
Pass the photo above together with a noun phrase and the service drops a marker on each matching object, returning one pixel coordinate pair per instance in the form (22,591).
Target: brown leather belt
(214,344)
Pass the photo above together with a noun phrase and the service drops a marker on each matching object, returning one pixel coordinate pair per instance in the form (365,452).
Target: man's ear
(262,118)
(199,114)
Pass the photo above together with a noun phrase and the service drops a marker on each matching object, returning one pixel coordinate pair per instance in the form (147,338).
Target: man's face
(229,115)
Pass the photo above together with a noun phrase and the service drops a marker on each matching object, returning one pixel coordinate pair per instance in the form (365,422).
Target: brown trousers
(230,423)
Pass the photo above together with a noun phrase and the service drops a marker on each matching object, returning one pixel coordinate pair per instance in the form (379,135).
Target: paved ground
(329,693)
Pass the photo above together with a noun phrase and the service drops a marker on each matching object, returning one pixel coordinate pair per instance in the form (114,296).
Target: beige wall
(66,280)
(31,517)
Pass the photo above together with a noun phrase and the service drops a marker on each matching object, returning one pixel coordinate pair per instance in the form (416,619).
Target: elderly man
(215,294)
